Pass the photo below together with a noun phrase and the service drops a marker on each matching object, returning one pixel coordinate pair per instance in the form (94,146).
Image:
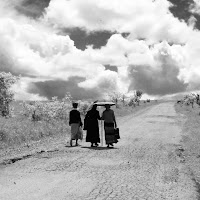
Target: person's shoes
(71,143)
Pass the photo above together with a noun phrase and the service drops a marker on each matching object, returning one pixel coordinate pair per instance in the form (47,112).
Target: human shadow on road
(72,146)
(99,148)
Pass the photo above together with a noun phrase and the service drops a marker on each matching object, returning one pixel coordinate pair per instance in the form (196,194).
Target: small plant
(116,97)
(83,107)
(135,99)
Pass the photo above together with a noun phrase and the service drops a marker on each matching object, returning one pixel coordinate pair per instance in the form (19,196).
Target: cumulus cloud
(21,90)
(59,88)
(104,81)
(29,50)
(158,54)
(195,7)
(160,79)
(33,9)
(142,18)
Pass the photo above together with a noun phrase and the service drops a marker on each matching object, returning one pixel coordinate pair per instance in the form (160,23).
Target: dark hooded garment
(92,126)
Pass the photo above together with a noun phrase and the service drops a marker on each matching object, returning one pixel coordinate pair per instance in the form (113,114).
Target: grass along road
(147,163)
(21,137)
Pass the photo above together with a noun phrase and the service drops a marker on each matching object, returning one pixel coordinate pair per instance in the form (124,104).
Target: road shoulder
(190,151)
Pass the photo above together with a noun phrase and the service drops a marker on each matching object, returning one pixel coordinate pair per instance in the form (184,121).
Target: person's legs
(92,144)
(109,131)
(71,142)
(76,142)
(96,144)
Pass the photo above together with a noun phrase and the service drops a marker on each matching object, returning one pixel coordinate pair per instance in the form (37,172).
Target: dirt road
(145,164)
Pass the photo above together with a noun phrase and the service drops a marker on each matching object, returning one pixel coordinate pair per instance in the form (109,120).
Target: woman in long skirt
(92,126)
(75,123)
(109,126)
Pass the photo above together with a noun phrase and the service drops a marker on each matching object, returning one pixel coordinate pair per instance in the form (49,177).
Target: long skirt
(109,133)
(93,136)
(76,132)
(93,132)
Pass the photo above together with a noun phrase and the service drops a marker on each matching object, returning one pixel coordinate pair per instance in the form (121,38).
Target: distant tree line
(126,100)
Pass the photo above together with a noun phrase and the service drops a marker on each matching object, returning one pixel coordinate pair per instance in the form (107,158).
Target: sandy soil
(147,163)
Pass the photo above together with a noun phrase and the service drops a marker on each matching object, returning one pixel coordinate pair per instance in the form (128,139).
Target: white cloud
(195,8)
(143,18)
(33,48)
(107,80)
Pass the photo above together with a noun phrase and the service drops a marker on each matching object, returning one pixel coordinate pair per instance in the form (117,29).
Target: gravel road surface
(146,164)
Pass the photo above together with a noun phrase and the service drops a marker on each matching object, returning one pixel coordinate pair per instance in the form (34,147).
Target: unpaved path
(145,164)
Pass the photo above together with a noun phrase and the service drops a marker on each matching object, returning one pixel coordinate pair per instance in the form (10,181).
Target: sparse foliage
(52,110)
(115,97)
(6,94)
(48,110)
(135,99)
(83,107)
(190,99)
(123,99)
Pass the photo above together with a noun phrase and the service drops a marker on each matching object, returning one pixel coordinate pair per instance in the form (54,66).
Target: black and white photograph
(99,100)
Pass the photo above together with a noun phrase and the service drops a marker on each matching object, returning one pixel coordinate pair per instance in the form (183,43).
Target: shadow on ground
(99,148)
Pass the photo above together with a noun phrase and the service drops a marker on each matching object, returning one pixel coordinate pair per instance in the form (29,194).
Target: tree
(7,80)
(131,101)
(135,98)
(138,95)
(115,97)
(123,97)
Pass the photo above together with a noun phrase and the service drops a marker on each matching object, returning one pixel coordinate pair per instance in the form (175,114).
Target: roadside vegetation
(190,110)
(28,126)
(31,124)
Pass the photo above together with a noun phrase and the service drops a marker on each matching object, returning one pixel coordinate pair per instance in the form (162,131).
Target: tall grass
(20,130)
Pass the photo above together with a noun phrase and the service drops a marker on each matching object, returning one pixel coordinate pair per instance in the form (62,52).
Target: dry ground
(191,140)
(149,162)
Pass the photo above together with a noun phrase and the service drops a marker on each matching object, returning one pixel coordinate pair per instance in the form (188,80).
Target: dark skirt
(109,133)
(92,134)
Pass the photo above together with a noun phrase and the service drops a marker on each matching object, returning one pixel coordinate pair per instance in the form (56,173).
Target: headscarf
(91,105)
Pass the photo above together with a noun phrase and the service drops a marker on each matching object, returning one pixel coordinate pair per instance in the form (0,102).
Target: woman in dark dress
(92,126)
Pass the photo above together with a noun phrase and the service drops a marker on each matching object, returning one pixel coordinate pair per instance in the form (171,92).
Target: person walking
(75,123)
(109,125)
(91,125)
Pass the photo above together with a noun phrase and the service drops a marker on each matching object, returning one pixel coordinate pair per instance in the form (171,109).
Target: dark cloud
(159,81)
(59,88)
(125,35)
(32,8)
(182,10)
(111,68)
(155,82)
(82,39)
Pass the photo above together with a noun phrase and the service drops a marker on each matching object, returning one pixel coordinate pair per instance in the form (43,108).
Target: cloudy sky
(92,47)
